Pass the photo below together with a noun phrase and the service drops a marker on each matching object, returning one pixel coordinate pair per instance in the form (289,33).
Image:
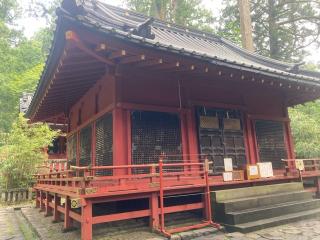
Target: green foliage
(23,151)
(305,124)
(21,62)
(282,29)
(188,13)
(9,10)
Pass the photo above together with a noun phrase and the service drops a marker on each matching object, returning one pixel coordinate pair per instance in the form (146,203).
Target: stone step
(265,212)
(189,235)
(271,222)
(224,195)
(264,200)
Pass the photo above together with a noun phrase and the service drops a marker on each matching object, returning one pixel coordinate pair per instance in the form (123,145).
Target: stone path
(9,228)
(13,225)
(303,230)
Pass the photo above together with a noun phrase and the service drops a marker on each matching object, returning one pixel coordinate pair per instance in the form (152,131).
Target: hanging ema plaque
(209,122)
(231,124)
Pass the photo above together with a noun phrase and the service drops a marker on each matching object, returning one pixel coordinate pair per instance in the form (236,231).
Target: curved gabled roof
(104,16)
(142,30)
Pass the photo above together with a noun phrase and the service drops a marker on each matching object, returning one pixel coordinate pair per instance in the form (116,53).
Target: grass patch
(25,229)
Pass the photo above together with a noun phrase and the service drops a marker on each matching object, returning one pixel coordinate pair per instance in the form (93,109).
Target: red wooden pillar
(154,207)
(86,221)
(67,224)
(120,139)
(289,141)
(48,211)
(250,139)
(56,213)
(192,135)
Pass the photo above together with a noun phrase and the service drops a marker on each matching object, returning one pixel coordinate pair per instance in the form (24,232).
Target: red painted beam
(75,216)
(121,216)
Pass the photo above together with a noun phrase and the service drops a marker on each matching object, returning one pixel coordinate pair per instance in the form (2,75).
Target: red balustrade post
(161,194)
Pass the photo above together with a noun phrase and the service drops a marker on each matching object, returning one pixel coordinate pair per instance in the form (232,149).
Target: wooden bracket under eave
(72,36)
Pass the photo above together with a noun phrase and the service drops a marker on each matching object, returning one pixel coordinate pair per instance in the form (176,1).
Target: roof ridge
(255,55)
(160,23)
(169,26)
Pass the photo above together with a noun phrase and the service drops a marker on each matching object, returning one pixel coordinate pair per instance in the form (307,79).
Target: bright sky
(31,25)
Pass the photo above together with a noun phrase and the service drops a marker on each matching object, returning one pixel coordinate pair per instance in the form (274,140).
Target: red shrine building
(154,109)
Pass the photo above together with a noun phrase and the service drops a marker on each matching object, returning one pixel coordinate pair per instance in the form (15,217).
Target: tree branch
(299,19)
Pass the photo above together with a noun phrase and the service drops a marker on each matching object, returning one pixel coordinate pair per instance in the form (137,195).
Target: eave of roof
(212,59)
(267,69)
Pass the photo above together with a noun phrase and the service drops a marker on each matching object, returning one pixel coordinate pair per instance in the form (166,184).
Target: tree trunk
(246,25)
(273,33)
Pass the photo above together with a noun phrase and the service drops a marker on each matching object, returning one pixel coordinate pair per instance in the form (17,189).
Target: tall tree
(246,25)
(282,28)
(190,13)
(18,56)
(22,152)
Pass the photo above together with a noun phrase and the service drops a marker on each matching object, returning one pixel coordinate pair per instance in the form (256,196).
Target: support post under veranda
(56,213)
(48,211)
(86,221)
(67,224)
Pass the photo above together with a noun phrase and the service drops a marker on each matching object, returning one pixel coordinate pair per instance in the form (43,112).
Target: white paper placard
(227,176)
(265,169)
(228,166)
(299,164)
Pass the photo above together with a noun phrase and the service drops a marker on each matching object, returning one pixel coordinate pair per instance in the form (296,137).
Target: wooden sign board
(233,176)
(253,172)
(228,166)
(265,169)
(299,164)
(209,122)
(227,176)
(232,124)
(238,175)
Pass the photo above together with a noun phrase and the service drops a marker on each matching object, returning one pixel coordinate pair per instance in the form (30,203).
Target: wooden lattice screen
(270,140)
(104,141)
(154,133)
(72,149)
(85,146)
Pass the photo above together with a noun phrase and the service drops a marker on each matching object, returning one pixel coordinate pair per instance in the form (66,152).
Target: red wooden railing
(164,176)
(311,170)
